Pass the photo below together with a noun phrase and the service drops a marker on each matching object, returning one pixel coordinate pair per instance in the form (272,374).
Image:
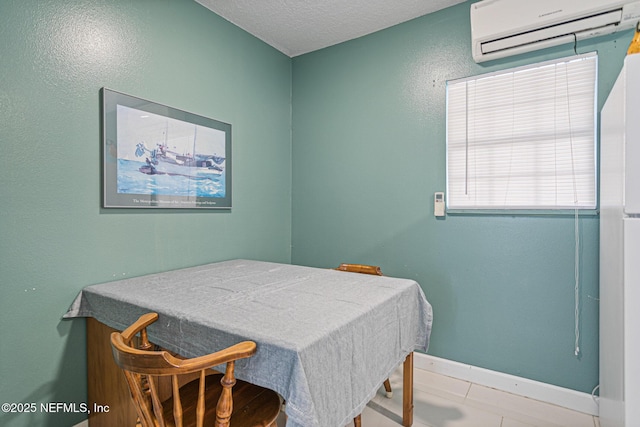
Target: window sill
(523,212)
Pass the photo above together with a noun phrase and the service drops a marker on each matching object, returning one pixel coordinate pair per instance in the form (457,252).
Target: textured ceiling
(295,27)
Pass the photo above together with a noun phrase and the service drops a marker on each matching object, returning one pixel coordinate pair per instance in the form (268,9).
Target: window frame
(592,144)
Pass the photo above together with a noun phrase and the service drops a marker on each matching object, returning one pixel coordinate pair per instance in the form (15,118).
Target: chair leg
(357,421)
(387,388)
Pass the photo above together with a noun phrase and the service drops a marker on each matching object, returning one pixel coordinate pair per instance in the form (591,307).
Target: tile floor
(441,401)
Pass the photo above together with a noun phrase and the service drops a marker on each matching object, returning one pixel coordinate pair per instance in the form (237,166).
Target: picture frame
(155,156)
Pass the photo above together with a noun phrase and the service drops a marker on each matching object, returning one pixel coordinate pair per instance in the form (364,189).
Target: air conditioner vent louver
(502,28)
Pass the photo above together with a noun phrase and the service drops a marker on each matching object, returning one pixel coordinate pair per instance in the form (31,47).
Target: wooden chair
(374,270)
(190,404)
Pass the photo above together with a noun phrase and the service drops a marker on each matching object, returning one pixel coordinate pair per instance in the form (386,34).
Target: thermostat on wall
(438,204)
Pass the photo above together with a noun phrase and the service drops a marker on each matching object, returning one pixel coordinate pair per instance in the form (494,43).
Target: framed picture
(161,157)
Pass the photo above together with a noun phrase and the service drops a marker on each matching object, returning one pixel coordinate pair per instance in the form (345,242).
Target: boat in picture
(163,161)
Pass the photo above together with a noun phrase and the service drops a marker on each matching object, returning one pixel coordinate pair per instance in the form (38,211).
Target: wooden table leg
(407,391)
(109,398)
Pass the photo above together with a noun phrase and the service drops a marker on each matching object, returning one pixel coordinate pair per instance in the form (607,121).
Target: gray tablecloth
(326,339)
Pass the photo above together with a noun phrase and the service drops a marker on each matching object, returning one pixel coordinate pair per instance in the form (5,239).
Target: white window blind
(524,138)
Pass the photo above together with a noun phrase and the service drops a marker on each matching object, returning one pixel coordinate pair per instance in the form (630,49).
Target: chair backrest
(143,366)
(361,268)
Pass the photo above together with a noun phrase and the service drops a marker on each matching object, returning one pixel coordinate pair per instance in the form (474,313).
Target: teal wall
(353,181)
(368,155)
(55,55)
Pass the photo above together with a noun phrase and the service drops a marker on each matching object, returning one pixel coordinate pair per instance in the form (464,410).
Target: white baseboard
(84,423)
(567,398)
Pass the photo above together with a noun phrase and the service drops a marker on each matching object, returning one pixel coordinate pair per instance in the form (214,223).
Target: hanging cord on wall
(576,231)
(577,284)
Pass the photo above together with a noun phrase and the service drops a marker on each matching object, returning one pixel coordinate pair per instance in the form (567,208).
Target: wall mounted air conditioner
(501,28)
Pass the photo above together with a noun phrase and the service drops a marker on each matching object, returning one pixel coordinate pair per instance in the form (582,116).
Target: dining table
(326,339)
